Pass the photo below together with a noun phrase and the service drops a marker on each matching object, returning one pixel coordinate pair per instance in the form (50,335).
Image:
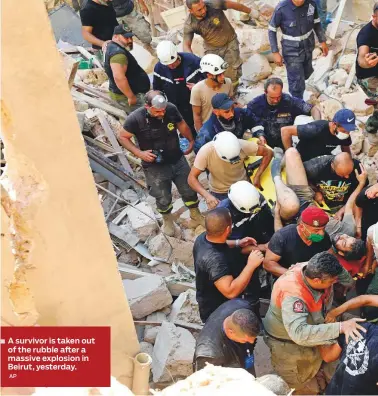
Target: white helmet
(227,146)
(213,64)
(245,197)
(166,52)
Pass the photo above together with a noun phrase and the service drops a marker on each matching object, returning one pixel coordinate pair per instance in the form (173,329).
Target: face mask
(314,237)
(342,135)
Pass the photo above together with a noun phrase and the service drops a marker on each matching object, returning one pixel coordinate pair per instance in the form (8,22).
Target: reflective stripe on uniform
(166,210)
(273,29)
(193,74)
(298,38)
(163,78)
(257,128)
(191,203)
(317,20)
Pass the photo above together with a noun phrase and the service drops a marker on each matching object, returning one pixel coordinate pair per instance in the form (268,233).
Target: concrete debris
(256,68)
(303,120)
(349,39)
(144,58)
(173,353)
(198,46)
(146,347)
(338,76)
(188,235)
(346,62)
(150,332)
(161,269)
(146,295)
(323,65)
(311,95)
(252,41)
(185,308)
(182,250)
(370,146)
(143,225)
(329,107)
(130,195)
(80,105)
(248,94)
(93,76)
(317,53)
(358,138)
(356,102)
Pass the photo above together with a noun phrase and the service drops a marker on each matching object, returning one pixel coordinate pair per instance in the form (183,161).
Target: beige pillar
(64,266)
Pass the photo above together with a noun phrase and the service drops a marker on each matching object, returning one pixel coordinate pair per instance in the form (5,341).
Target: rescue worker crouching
(155,126)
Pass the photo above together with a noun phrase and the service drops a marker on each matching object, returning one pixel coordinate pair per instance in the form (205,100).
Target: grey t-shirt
(122,7)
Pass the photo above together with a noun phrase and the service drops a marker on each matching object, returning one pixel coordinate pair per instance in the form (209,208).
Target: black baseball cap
(221,101)
(124,30)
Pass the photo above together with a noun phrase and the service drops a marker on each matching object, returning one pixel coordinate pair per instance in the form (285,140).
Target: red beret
(314,217)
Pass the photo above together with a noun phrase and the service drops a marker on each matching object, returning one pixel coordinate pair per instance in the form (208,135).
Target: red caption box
(55,356)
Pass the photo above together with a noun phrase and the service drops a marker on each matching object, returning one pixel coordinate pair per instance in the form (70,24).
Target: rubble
(92,76)
(356,102)
(252,41)
(323,65)
(143,225)
(185,308)
(182,250)
(329,107)
(146,347)
(173,353)
(150,332)
(256,68)
(338,76)
(147,295)
(347,61)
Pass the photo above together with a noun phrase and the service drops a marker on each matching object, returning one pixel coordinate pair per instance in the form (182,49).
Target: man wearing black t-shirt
(321,137)
(368,201)
(228,337)
(367,60)
(98,21)
(216,278)
(155,126)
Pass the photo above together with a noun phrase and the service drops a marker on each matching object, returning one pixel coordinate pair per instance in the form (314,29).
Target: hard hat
(227,146)
(166,52)
(213,64)
(245,197)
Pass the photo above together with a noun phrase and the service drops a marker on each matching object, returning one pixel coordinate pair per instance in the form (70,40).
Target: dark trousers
(298,71)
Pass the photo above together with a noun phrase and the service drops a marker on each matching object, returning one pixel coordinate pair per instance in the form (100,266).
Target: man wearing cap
(175,74)
(207,19)
(367,59)
(321,137)
(295,322)
(225,117)
(128,82)
(155,127)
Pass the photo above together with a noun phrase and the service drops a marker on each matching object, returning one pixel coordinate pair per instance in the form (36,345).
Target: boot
(197,217)
(168,225)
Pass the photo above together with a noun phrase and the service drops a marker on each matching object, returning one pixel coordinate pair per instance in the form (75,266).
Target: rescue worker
(217,278)
(155,126)
(225,117)
(224,159)
(367,59)
(213,67)
(321,137)
(127,14)
(275,109)
(322,11)
(297,19)
(228,337)
(128,82)
(294,324)
(207,19)
(175,74)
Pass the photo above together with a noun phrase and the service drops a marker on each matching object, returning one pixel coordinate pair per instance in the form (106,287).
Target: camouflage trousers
(369,86)
(138,24)
(230,53)
(122,100)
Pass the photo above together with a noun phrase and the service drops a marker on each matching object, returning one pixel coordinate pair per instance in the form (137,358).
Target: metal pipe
(141,377)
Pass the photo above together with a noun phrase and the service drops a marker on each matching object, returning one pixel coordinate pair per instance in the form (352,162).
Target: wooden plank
(98,93)
(88,55)
(70,67)
(351,76)
(180,323)
(97,103)
(114,142)
(124,234)
(337,20)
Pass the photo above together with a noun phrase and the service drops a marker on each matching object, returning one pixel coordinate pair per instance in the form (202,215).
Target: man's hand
(257,182)
(362,177)
(331,317)
(105,45)
(372,192)
(211,201)
(144,9)
(132,100)
(190,148)
(277,58)
(262,140)
(190,85)
(324,48)
(247,241)
(339,214)
(147,156)
(371,59)
(350,329)
(255,258)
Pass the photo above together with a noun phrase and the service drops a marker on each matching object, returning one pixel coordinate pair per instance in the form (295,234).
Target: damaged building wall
(62,253)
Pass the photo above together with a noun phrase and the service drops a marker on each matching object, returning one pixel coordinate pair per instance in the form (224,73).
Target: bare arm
(345,149)
(120,79)
(86,31)
(286,135)
(231,287)
(197,117)
(267,155)
(362,177)
(187,133)
(365,60)
(194,182)
(125,140)
(277,218)
(354,303)
(187,45)
(232,5)
(271,264)
(316,113)
(330,353)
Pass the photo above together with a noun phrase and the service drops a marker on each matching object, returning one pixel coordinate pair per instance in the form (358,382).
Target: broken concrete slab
(161,269)
(182,250)
(146,347)
(252,41)
(338,76)
(329,108)
(256,68)
(141,223)
(356,102)
(185,308)
(92,76)
(347,61)
(125,233)
(150,332)
(323,65)
(173,353)
(147,295)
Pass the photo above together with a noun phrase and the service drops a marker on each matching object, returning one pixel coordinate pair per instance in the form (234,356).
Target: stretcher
(268,188)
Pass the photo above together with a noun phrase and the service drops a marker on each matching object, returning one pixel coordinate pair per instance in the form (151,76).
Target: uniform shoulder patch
(299,307)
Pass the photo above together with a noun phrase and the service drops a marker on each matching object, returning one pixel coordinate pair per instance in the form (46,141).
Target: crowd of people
(301,226)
